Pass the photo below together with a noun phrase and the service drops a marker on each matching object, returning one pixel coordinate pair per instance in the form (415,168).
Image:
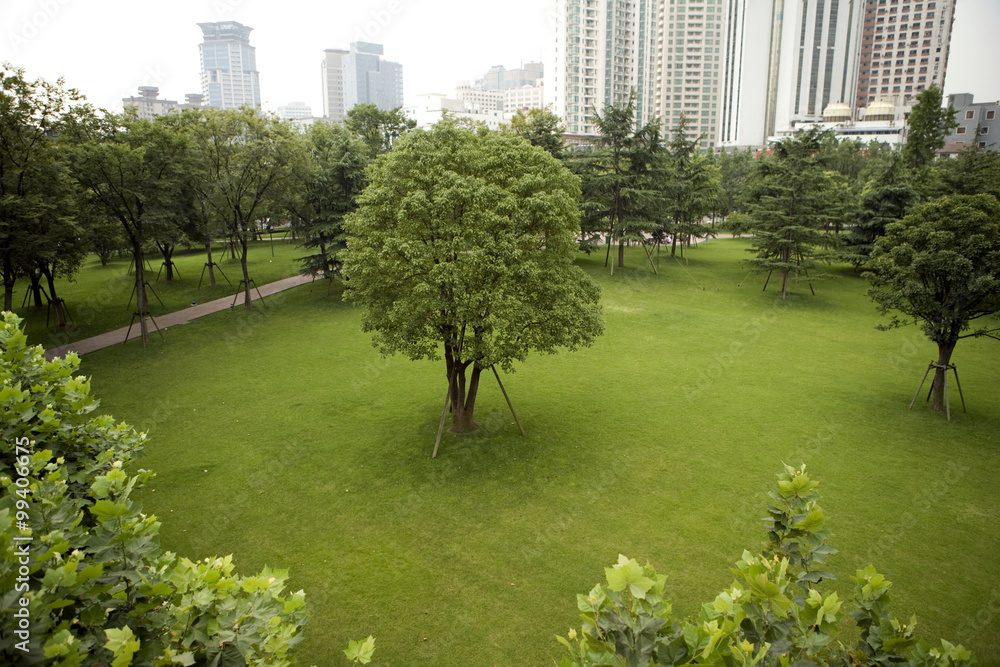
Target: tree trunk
(463,401)
(940,373)
(785,272)
(55,301)
(621,253)
(673,245)
(36,289)
(246,274)
(327,272)
(9,280)
(211,265)
(167,251)
(141,305)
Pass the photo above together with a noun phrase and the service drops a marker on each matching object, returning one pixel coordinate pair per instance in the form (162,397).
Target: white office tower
(784,62)
(599,52)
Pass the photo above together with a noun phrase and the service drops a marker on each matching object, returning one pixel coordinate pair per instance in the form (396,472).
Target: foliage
(541,128)
(790,210)
(360,652)
(974,171)
(761,619)
(737,171)
(36,194)
(377,128)
(619,180)
(940,268)
(466,239)
(691,186)
(99,588)
(248,165)
(329,192)
(885,198)
(131,168)
(927,126)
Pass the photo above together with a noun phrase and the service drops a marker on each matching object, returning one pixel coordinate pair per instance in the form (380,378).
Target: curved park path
(117,337)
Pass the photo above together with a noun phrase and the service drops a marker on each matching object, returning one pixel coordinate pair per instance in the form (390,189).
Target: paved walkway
(117,337)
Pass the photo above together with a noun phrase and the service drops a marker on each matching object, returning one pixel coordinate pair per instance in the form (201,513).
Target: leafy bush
(83,578)
(773,614)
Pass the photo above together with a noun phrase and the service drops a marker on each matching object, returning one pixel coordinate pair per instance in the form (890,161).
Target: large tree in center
(940,268)
(463,242)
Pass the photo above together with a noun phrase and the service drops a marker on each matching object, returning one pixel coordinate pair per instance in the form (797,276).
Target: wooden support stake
(509,404)
(922,385)
(962,396)
(444,413)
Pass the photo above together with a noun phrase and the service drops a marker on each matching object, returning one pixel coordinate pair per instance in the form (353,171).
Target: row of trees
(73,179)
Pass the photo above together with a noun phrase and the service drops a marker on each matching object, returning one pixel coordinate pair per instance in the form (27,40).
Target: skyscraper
(370,80)
(229,77)
(904,48)
(784,62)
(333,84)
(688,65)
(600,53)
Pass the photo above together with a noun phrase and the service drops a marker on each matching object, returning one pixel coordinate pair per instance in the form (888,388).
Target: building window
(984,130)
(960,130)
(970,114)
(990,115)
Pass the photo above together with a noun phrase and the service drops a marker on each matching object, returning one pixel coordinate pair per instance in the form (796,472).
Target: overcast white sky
(107,48)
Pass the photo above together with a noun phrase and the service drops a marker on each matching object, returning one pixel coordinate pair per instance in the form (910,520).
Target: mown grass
(282,437)
(101,298)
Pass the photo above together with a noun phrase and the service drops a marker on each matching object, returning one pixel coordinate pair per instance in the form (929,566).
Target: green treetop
(465,240)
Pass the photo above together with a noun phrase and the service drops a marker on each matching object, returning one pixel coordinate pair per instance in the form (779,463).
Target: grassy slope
(283,437)
(98,298)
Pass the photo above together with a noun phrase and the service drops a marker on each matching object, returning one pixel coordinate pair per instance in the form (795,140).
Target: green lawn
(101,299)
(282,437)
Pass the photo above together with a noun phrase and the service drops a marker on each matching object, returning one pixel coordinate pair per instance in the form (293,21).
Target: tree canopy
(790,209)
(37,231)
(927,127)
(329,192)
(540,127)
(248,164)
(464,240)
(379,129)
(940,268)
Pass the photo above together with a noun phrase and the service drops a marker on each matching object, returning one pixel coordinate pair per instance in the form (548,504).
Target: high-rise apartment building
(229,77)
(600,52)
(904,49)
(370,80)
(333,84)
(784,62)
(688,66)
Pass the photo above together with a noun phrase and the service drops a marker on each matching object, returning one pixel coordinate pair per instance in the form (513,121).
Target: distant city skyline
(108,48)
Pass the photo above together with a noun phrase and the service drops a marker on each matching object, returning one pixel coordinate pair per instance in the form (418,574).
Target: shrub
(84,579)
(773,614)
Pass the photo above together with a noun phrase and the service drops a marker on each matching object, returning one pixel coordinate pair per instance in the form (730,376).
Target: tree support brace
(132,323)
(509,404)
(947,403)
(217,268)
(251,284)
